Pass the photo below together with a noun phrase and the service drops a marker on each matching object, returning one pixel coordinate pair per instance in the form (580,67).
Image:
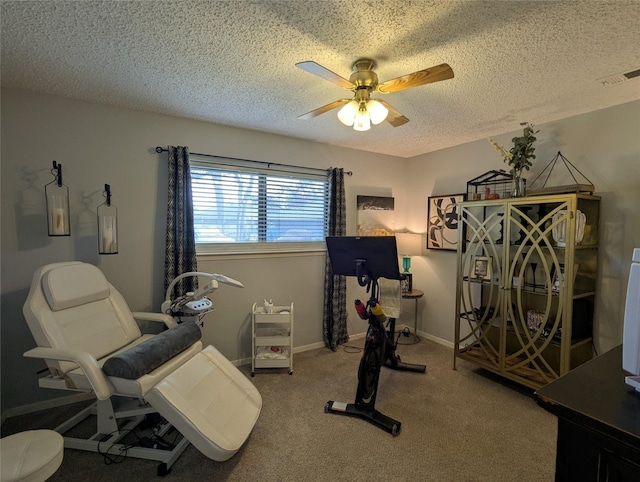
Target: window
(243,210)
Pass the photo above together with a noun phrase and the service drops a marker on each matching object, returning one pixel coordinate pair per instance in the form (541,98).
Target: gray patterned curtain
(334,329)
(180,248)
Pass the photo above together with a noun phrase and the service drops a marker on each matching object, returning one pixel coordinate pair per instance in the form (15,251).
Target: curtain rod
(269,164)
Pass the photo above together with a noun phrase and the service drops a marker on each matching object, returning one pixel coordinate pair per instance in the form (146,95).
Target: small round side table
(414,295)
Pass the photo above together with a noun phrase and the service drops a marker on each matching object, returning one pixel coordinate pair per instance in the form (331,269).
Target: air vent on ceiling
(619,78)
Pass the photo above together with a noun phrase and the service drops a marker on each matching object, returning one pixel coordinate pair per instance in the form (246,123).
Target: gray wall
(604,145)
(98,144)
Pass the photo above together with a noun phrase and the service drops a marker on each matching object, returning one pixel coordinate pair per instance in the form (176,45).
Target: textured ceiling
(233,62)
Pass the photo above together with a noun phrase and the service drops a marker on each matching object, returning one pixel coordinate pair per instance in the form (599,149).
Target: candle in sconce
(108,243)
(58,221)
(57,198)
(107,225)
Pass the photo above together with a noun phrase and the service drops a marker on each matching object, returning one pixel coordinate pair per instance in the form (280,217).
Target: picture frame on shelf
(481,268)
(557,278)
(442,221)
(406,283)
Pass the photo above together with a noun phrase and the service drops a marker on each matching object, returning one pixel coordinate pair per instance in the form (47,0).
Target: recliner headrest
(74,285)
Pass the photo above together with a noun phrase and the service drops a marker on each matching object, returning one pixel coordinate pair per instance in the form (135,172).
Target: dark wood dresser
(598,421)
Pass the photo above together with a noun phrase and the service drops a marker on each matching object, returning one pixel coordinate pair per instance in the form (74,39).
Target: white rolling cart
(272,338)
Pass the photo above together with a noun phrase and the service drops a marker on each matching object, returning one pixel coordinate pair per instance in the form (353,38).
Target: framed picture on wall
(375,216)
(442,222)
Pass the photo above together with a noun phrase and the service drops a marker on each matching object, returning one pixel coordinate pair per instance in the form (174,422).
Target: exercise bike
(370,258)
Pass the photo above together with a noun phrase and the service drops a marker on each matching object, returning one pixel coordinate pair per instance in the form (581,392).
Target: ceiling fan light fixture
(362,121)
(347,114)
(362,111)
(377,111)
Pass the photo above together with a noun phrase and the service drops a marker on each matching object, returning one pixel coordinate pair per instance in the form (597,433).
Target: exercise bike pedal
(404,367)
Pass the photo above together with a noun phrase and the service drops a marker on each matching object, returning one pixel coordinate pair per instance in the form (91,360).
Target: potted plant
(519,157)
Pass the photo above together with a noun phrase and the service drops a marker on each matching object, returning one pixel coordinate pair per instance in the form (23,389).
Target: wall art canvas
(375,216)
(442,222)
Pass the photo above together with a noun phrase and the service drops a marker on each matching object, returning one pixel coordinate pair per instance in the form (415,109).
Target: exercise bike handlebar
(364,279)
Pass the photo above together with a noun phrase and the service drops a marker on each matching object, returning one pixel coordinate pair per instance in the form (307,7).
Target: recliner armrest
(168,320)
(87,363)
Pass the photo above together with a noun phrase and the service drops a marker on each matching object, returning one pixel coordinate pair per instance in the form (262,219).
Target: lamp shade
(377,111)
(347,114)
(409,244)
(362,121)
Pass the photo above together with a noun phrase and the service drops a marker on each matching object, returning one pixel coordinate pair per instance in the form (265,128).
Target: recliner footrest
(211,402)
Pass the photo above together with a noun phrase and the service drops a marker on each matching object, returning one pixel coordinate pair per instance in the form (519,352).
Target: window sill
(259,250)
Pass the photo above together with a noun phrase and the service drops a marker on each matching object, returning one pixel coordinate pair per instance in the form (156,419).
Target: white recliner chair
(90,341)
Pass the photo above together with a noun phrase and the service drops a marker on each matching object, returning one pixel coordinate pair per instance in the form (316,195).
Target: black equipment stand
(369,258)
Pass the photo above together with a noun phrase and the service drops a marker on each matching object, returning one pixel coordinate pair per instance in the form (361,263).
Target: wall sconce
(57,200)
(107,225)
(409,244)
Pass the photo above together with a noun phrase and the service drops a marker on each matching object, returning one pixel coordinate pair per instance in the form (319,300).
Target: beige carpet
(463,425)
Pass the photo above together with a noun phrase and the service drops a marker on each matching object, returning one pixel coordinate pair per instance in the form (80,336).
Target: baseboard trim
(356,336)
(439,341)
(424,334)
(46,404)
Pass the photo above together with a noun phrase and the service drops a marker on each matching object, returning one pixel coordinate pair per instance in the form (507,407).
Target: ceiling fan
(361,111)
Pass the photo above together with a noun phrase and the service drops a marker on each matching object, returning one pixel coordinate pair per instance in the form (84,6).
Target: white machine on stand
(195,304)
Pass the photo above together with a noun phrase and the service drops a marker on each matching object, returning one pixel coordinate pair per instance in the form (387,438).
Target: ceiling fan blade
(323,109)
(395,118)
(317,69)
(421,77)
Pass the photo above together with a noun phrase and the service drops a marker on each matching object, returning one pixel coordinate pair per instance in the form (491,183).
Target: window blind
(241,206)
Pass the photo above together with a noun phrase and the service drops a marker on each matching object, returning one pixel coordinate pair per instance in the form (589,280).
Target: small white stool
(31,456)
